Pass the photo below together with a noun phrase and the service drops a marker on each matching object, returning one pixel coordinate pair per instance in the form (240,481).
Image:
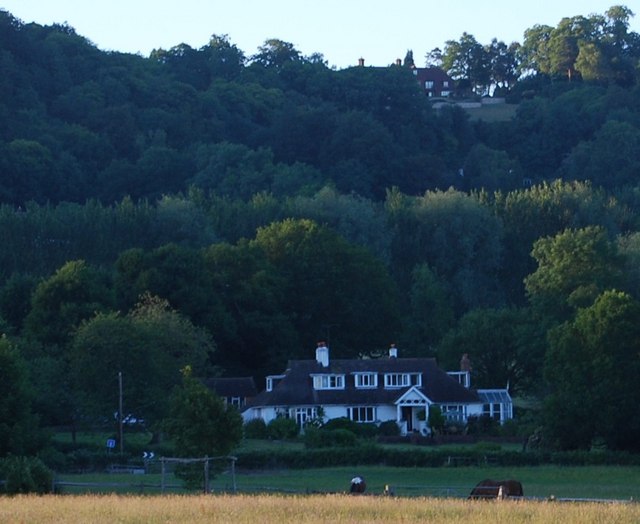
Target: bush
(341,423)
(282,428)
(26,475)
(329,438)
(256,428)
(389,428)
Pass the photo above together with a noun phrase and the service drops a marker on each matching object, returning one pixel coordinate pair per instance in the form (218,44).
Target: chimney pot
(393,351)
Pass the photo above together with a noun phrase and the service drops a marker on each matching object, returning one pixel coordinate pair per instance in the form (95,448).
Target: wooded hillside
(207,208)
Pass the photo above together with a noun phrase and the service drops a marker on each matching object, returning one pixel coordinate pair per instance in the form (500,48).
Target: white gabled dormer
(273,380)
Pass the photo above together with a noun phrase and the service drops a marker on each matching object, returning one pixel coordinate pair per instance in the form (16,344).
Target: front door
(407,415)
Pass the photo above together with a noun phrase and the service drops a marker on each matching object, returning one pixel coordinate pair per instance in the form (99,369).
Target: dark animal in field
(358,485)
(497,489)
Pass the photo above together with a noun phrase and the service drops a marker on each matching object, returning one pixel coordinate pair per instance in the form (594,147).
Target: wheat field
(280,509)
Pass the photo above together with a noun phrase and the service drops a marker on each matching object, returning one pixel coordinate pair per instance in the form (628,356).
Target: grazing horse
(496,489)
(358,485)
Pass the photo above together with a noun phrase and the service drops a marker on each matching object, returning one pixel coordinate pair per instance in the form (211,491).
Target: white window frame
(365,380)
(303,414)
(328,381)
(428,84)
(273,381)
(402,380)
(362,414)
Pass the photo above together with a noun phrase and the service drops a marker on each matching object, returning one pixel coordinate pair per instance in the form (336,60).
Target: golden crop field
(238,509)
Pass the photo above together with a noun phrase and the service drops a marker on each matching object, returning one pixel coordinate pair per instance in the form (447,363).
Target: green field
(601,482)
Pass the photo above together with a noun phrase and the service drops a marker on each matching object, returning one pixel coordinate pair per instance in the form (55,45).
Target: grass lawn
(603,482)
(492,113)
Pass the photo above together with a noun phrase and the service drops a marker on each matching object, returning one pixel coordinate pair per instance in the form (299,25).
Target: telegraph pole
(120,411)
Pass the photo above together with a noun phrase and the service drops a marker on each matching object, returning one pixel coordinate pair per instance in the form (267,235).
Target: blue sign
(111,443)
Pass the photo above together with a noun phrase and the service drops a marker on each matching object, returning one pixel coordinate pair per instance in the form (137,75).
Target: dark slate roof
(296,388)
(232,387)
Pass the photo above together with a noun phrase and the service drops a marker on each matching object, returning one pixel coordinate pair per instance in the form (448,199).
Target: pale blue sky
(342,30)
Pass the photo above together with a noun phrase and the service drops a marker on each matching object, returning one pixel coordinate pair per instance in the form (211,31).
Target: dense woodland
(208,208)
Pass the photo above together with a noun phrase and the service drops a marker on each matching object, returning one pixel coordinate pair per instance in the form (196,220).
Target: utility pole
(120,411)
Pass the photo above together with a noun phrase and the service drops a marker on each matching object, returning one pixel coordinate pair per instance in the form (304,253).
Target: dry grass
(300,509)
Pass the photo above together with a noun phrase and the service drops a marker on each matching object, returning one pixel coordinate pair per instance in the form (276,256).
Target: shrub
(389,428)
(436,419)
(341,423)
(256,428)
(329,438)
(26,475)
(282,428)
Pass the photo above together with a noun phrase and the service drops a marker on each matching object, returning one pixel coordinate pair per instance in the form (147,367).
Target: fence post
(162,481)
(233,473)
(206,474)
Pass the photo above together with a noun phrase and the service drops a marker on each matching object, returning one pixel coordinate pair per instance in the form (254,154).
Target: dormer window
(328,381)
(402,380)
(365,380)
(273,381)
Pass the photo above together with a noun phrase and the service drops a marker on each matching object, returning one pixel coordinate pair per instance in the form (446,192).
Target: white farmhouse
(374,391)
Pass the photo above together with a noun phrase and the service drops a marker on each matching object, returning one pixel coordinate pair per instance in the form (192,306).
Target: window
(445,93)
(401,380)
(235,401)
(492,411)
(453,412)
(428,84)
(328,381)
(362,414)
(303,415)
(366,380)
(445,83)
(273,380)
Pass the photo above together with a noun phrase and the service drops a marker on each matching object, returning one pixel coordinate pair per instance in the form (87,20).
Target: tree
(19,427)
(504,64)
(331,285)
(408,59)
(225,59)
(503,345)
(431,311)
(148,346)
(591,365)
(610,159)
(276,54)
(574,267)
(546,210)
(199,423)
(59,304)
(458,237)
(467,60)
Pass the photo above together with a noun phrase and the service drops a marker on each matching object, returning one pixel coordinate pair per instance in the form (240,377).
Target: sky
(342,30)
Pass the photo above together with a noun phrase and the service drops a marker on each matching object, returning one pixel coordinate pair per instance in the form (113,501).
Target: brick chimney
(361,62)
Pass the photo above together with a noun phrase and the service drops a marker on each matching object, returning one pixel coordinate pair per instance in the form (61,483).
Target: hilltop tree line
(200,209)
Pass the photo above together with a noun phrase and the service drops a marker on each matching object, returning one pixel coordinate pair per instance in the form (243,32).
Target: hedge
(371,454)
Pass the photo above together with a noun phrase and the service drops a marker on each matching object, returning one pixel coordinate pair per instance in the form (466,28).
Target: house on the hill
(374,391)
(234,391)
(434,81)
